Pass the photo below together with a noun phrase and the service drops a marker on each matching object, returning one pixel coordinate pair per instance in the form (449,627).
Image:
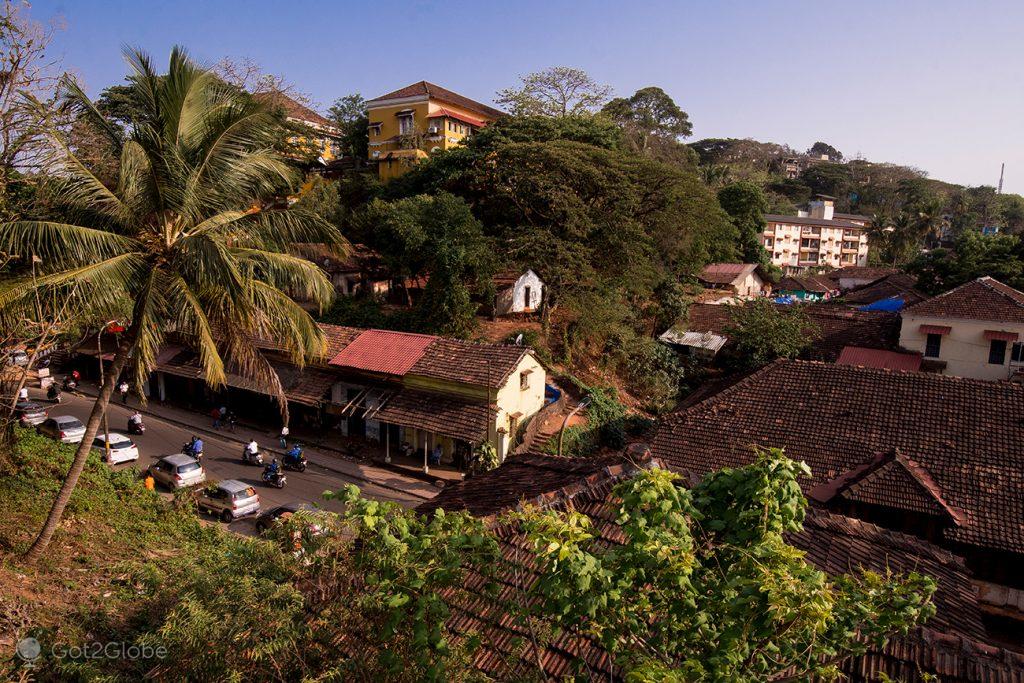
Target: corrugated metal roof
(879,358)
(391,353)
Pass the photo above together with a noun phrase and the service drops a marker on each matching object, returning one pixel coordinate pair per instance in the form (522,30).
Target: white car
(177,471)
(122,448)
(66,428)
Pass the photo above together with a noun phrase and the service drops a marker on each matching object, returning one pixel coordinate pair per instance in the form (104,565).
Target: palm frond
(84,107)
(291,274)
(106,281)
(61,245)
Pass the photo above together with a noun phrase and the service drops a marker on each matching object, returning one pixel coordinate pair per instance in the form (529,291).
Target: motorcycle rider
(135,422)
(251,449)
(53,393)
(271,471)
(294,454)
(196,446)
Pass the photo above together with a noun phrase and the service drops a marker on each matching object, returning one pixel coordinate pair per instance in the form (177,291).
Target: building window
(932,346)
(405,124)
(997,352)
(1017,353)
(524,380)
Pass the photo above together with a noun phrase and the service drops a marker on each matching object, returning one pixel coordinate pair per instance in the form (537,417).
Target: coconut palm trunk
(92,426)
(190,246)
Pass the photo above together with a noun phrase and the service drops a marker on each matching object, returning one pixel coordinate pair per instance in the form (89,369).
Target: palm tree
(191,241)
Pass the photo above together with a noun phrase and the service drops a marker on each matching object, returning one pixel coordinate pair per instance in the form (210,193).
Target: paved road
(222,460)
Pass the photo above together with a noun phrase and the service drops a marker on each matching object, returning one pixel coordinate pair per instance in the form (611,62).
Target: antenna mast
(1002,168)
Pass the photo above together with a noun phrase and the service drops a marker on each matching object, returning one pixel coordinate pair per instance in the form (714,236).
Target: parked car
(177,471)
(282,512)
(64,428)
(229,500)
(19,358)
(122,448)
(29,413)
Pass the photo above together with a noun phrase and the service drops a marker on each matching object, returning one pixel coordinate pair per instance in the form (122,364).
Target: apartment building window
(932,346)
(405,126)
(1017,353)
(997,352)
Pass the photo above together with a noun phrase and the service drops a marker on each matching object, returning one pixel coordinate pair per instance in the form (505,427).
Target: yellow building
(324,138)
(413,122)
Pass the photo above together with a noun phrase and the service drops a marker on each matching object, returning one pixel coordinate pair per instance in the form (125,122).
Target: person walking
(123,388)
(23,394)
(284,436)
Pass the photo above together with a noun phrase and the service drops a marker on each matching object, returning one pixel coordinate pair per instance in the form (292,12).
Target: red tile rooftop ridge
(982,299)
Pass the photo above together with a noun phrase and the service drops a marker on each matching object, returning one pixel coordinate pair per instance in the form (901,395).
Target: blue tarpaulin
(788,299)
(892,304)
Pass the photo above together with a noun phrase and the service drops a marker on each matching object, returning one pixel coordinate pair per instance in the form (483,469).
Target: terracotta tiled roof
(838,544)
(438,413)
(338,337)
(442,112)
(807,220)
(454,360)
(528,478)
(851,216)
(294,110)
(880,358)
(965,433)
(725,273)
(436,92)
(507,278)
(383,351)
(951,645)
(872,273)
(835,328)
(807,283)
(886,287)
(981,299)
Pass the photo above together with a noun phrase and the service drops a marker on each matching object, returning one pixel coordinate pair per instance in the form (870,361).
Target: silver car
(30,413)
(64,428)
(229,500)
(177,471)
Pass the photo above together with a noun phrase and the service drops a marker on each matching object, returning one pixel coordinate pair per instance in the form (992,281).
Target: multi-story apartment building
(816,238)
(411,123)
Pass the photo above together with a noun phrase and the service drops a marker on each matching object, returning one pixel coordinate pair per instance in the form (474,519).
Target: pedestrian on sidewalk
(284,436)
(215,414)
(23,394)
(123,388)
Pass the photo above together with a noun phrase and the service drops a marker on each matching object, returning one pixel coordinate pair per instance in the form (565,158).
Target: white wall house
(745,280)
(975,330)
(518,293)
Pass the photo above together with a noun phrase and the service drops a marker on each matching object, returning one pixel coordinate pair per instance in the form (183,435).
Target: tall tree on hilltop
(192,239)
(557,91)
(349,114)
(650,113)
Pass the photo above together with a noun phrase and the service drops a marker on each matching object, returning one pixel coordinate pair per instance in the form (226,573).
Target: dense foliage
(763,332)
(704,585)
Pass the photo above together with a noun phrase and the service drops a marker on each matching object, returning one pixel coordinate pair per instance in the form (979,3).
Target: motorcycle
(136,428)
(295,461)
(251,458)
(186,449)
(53,393)
(275,479)
(70,384)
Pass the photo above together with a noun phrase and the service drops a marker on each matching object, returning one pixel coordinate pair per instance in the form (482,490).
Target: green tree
(556,91)
(191,240)
(434,236)
(829,179)
(350,116)
(762,332)
(973,255)
(818,149)
(653,123)
(746,205)
(703,584)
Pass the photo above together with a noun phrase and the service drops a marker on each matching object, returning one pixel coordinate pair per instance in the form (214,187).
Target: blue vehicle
(294,459)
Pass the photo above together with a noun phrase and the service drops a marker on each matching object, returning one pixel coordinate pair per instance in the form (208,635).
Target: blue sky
(930,83)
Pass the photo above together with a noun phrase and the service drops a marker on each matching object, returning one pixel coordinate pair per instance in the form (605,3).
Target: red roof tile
(436,92)
(981,299)
(295,110)
(965,433)
(725,273)
(880,358)
(384,351)
(442,112)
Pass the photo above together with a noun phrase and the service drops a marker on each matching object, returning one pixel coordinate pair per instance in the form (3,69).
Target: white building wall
(965,349)
(783,243)
(513,398)
(513,299)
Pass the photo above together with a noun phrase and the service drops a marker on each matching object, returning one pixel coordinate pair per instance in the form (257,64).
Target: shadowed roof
(981,299)
(436,92)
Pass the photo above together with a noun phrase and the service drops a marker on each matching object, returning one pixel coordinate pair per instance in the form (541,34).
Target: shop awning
(934,329)
(1001,335)
(445,415)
